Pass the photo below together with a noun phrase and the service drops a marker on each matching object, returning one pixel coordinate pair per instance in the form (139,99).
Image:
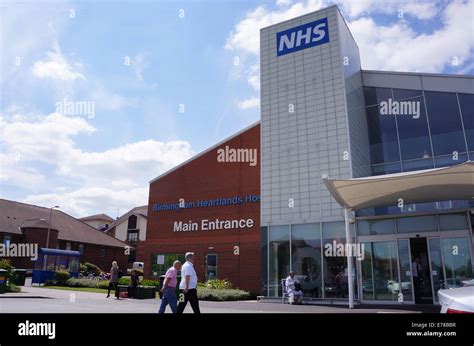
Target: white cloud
(253,102)
(139,64)
(56,67)
(283,3)
(88,200)
(13,173)
(398,47)
(246,34)
(253,77)
(108,100)
(114,173)
(419,9)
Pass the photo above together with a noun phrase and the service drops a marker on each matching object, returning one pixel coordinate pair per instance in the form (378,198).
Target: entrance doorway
(420,268)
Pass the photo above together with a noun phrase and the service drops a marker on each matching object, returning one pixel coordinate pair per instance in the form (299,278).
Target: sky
(99,97)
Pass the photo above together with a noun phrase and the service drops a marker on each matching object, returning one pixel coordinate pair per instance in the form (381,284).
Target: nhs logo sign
(302,37)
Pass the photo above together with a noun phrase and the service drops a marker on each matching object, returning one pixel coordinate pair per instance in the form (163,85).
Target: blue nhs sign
(302,37)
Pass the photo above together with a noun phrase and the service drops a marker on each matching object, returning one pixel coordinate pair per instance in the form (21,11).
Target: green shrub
(50,283)
(146,282)
(92,268)
(82,268)
(5,264)
(81,283)
(124,280)
(104,284)
(12,288)
(61,276)
(216,294)
(218,284)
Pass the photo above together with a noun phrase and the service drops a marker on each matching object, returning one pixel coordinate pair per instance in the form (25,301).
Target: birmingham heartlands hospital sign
(302,37)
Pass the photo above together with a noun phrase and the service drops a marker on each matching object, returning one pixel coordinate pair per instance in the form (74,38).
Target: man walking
(169,289)
(188,285)
(417,278)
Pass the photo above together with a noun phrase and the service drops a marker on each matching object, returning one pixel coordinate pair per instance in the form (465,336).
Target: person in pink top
(169,289)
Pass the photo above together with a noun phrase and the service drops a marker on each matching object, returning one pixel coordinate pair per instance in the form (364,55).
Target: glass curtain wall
(306,258)
(278,258)
(440,133)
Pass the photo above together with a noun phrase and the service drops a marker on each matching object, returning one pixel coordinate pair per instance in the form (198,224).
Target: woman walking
(114,279)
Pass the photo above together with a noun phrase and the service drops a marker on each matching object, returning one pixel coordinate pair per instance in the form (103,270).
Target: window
(373,227)
(403,94)
(264,258)
(279,254)
(211,266)
(388,168)
(373,96)
(450,160)
(103,252)
(417,224)
(466,101)
(132,237)
(413,132)
(161,262)
(335,273)
(132,222)
(445,123)
(382,136)
(450,222)
(68,246)
(81,249)
(306,258)
(415,165)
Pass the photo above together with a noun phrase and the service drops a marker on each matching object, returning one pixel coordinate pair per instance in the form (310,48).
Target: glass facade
(310,251)
(438,132)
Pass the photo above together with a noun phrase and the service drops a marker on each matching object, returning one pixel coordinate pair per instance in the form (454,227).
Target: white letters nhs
(302,37)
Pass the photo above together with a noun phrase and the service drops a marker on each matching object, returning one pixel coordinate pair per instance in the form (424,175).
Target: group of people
(187,286)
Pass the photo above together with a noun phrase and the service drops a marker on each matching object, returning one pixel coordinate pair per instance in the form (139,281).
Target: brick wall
(205,179)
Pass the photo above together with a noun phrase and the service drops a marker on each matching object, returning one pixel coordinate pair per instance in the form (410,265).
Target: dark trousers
(417,287)
(132,291)
(113,285)
(192,297)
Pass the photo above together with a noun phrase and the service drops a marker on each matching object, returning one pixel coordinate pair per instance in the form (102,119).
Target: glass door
(380,278)
(457,261)
(436,266)
(404,289)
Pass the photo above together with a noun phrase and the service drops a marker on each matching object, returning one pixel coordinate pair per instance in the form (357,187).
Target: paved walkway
(45,300)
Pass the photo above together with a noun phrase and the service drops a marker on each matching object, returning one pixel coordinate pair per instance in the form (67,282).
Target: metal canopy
(438,184)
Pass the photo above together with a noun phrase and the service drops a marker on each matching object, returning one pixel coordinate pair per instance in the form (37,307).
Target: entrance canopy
(438,184)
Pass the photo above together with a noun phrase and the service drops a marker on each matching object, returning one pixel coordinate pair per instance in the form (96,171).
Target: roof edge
(428,74)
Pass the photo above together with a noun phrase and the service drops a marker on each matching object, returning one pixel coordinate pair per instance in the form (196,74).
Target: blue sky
(192,80)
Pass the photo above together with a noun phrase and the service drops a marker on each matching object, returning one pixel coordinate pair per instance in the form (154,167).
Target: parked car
(457,300)
(394,286)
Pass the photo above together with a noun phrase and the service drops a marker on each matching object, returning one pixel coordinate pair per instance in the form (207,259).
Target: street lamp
(49,225)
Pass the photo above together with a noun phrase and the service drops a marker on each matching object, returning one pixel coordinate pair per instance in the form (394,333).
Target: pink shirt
(171,274)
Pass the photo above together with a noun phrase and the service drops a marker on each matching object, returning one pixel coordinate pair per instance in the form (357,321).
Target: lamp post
(45,263)
(49,224)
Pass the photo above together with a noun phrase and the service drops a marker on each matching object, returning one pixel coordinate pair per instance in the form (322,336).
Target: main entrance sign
(302,37)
